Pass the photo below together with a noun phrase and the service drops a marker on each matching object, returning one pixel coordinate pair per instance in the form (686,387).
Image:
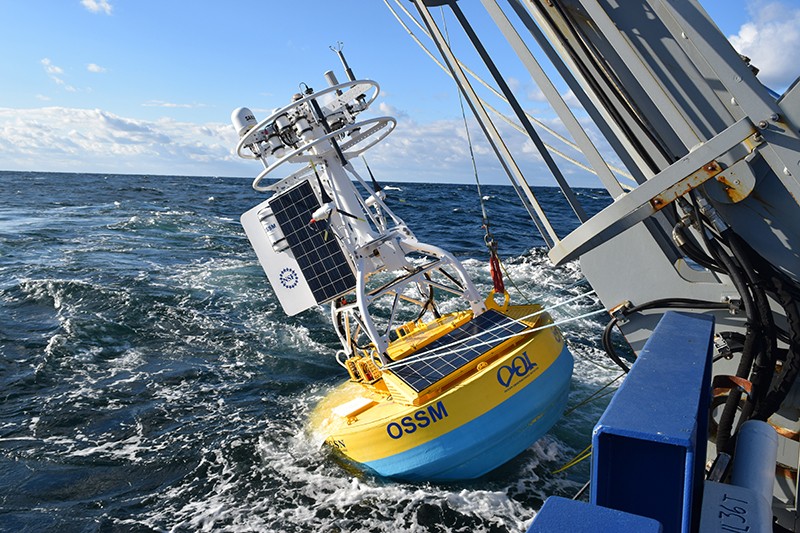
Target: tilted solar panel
(420,375)
(315,248)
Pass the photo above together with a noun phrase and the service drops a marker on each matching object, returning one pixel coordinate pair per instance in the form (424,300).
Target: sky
(147,86)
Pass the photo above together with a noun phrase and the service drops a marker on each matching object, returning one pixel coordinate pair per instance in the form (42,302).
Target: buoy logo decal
(520,366)
(289,278)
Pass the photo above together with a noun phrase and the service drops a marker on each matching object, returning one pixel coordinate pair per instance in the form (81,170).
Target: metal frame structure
(379,255)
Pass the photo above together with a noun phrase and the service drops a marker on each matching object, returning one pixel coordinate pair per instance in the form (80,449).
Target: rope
(593,396)
(432,355)
(586,453)
(491,330)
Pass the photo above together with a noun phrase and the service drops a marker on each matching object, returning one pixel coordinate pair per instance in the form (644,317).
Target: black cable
(780,387)
(694,252)
(770,383)
(661,303)
(764,363)
(687,245)
(749,350)
(609,347)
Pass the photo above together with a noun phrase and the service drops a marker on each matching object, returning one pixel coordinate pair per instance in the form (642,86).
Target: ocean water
(150,381)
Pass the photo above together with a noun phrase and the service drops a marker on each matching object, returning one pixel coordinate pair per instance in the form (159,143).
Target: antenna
(347,70)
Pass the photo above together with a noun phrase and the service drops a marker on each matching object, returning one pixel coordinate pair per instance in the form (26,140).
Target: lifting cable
(488,238)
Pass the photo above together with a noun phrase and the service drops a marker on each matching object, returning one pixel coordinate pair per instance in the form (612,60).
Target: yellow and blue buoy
(464,424)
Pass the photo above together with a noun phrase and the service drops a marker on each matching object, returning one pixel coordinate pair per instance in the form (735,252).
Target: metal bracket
(653,195)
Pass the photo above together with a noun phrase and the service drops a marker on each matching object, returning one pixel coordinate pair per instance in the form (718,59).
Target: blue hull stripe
(493,438)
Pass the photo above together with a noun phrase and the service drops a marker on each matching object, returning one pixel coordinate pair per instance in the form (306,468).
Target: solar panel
(315,248)
(420,375)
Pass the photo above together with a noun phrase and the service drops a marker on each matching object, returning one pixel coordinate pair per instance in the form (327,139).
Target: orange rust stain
(712,168)
(732,189)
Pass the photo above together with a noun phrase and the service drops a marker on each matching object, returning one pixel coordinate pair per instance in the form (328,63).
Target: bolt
(763,125)
(774,117)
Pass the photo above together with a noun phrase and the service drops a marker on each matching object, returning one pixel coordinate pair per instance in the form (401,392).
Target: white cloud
(514,84)
(56,73)
(160,103)
(93,140)
(572,101)
(390,110)
(97,6)
(94,67)
(53,71)
(769,39)
(438,152)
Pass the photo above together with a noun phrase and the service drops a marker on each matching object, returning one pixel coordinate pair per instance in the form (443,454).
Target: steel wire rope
(498,327)
(593,396)
(488,238)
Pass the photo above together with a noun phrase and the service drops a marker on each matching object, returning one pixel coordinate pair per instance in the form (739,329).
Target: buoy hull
(461,432)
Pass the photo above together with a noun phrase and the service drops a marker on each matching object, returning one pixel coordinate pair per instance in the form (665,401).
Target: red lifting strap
(497,274)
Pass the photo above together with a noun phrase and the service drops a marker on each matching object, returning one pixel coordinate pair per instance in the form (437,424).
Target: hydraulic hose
(691,250)
(662,303)
(764,364)
(791,366)
(750,348)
